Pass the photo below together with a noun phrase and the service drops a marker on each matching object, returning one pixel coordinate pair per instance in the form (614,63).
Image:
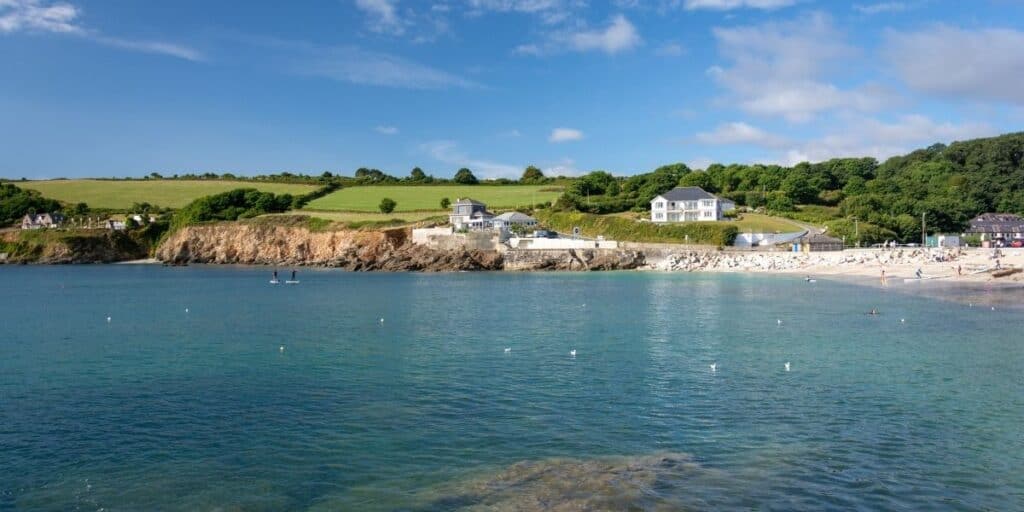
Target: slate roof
(687,194)
(997,223)
(515,217)
(464,201)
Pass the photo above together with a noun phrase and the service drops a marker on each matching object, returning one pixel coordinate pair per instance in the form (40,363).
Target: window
(659,216)
(659,205)
(707,214)
(707,203)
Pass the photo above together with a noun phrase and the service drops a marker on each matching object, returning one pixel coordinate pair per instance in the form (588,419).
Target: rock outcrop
(267,244)
(52,247)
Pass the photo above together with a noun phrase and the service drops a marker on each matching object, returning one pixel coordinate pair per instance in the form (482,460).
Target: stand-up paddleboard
(291,282)
(275,281)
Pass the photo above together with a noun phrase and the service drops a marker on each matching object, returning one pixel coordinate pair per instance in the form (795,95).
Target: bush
(387,205)
(445,203)
(620,228)
(231,205)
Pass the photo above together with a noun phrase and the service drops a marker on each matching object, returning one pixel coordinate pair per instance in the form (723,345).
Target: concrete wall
(443,239)
(555,244)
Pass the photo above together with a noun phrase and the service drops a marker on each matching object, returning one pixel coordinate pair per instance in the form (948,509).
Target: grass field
(759,223)
(165,193)
(371,216)
(409,198)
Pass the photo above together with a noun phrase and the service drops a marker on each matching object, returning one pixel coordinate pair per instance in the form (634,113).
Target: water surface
(163,409)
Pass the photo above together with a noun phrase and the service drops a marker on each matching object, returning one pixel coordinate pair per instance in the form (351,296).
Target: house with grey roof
(997,227)
(687,204)
(509,219)
(469,214)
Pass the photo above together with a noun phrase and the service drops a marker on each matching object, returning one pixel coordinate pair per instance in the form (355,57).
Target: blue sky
(124,88)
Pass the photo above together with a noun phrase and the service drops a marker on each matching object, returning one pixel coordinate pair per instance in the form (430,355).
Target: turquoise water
(163,409)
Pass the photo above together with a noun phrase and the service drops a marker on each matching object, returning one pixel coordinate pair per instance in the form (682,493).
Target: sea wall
(572,259)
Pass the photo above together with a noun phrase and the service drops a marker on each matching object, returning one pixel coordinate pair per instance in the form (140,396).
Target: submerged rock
(612,483)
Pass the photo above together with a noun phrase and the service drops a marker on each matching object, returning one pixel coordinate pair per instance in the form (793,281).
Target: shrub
(445,203)
(387,205)
(231,205)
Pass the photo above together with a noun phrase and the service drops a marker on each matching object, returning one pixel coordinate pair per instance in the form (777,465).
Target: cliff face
(71,246)
(385,250)
(265,244)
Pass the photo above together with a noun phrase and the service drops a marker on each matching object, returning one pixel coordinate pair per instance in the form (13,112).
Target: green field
(122,194)
(759,223)
(416,198)
(440,215)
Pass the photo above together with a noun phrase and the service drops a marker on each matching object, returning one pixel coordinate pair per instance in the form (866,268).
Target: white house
(470,214)
(508,219)
(41,220)
(687,204)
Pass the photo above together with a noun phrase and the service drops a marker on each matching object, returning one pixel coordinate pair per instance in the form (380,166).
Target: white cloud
(386,130)
(670,50)
(983,64)
(725,5)
(383,18)
(549,11)
(880,7)
(700,163)
(564,167)
(448,152)
(61,18)
(16,15)
(739,133)
(565,135)
(862,136)
(777,69)
(620,35)
(355,65)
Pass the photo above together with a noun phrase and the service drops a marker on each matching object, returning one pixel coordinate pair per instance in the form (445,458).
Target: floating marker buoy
(108,319)
(282,348)
(714,367)
(787,366)
(572,352)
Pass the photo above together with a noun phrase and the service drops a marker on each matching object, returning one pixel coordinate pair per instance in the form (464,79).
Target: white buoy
(282,348)
(779,321)
(186,310)
(572,352)
(108,319)
(903,320)
(993,308)
(382,320)
(714,367)
(787,366)
(508,349)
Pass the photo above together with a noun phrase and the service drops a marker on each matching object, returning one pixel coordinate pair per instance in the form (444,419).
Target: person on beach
(959,270)
(918,273)
(883,277)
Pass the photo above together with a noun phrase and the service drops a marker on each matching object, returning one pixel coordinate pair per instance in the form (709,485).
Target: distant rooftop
(466,200)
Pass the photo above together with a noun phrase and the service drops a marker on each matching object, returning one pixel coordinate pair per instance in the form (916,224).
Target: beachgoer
(998,266)
(883,277)
(918,273)
(959,270)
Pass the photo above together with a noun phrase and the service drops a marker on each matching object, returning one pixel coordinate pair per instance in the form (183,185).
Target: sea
(141,387)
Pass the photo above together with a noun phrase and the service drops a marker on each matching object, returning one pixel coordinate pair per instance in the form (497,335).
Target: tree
(698,179)
(81,209)
(532,175)
(387,205)
(417,174)
(465,177)
(445,203)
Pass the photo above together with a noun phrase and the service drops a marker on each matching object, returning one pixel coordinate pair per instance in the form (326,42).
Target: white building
(509,219)
(41,220)
(470,214)
(687,204)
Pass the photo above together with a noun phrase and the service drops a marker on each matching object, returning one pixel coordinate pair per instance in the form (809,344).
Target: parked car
(1017,243)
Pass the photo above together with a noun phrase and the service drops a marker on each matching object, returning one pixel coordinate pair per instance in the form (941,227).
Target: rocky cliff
(268,244)
(71,246)
(254,243)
